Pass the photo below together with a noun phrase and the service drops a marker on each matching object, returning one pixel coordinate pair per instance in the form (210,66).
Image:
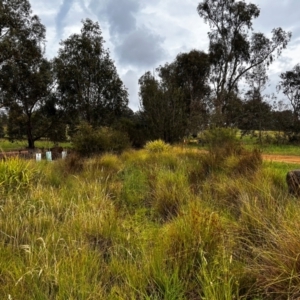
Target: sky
(144,34)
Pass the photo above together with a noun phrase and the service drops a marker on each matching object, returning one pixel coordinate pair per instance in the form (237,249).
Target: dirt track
(282,158)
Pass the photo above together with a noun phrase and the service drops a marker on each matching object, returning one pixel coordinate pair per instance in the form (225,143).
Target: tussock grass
(15,175)
(175,224)
(157,146)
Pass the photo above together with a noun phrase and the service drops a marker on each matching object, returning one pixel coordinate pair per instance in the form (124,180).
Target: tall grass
(171,224)
(15,175)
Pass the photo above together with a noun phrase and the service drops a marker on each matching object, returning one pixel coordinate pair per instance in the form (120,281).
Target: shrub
(157,146)
(88,141)
(249,163)
(223,141)
(73,164)
(226,152)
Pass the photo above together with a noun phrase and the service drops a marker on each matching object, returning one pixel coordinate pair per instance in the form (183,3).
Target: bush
(249,163)
(223,141)
(88,141)
(157,146)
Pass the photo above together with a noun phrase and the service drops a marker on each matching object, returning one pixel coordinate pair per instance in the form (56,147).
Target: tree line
(42,98)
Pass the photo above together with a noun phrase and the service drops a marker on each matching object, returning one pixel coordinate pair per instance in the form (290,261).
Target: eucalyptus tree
(163,108)
(89,87)
(174,100)
(257,114)
(189,73)
(19,30)
(234,47)
(20,33)
(28,96)
(290,86)
(25,75)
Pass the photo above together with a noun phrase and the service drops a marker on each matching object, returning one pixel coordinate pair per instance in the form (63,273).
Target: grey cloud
(141,48)
(122,16)
(277,14)
(119,14)
(59,20)
(295,35)
(133,45)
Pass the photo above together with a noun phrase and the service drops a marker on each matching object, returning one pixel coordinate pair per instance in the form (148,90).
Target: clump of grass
(248,163)
(151,225)
(73,164)
(16,174)
(196,176)
(107,165)
(196,229)
(157,146)
(271,249)
(219,278)
(110,162)
(170,191)
(135,188)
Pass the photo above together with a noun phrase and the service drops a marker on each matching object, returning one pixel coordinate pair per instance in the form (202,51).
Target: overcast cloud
(143,34)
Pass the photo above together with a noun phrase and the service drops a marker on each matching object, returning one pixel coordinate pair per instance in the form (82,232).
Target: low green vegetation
(6,145)
(175,223)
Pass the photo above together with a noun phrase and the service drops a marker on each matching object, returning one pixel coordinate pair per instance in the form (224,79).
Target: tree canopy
(81,85)
(87,80)
(20,31)
(25,75)
(175,101)
(234,47)
(290,86)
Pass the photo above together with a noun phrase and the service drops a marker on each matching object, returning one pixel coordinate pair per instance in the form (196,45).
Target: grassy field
(251,144)
(247,142)
(6,145)
(159,223)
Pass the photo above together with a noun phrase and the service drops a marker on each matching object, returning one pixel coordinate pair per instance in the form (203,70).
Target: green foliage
(234,49)
(290,86)
(220,139)
(222,143)
(25,83)
(99,96)
(175,101)
(3,124)
(231,158)
(157,146)
(135,127)
(163,108)
(88,140)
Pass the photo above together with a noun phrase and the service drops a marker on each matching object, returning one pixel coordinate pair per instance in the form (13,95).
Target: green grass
(281,150)
(251,143)
(247,142)
(6,145)
(175,224)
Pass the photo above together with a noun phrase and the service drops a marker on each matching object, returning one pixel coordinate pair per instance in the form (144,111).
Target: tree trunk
(29,134)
